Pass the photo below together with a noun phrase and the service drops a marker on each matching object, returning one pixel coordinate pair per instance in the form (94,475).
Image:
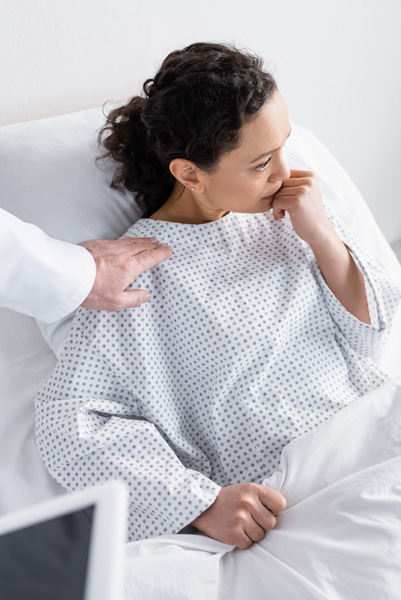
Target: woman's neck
(184,208)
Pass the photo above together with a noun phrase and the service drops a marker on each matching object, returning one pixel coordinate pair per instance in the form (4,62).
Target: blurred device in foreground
(69,548)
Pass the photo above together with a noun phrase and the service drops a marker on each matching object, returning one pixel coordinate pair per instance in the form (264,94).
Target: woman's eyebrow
(269,152)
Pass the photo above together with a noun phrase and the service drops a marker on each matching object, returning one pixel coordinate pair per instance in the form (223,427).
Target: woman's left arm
(300,197)
(341,274)
(362,298)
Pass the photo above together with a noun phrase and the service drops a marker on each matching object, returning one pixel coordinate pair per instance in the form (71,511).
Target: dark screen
(47,561)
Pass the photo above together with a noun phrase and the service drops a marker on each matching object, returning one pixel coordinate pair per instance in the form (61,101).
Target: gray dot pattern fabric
(241,349)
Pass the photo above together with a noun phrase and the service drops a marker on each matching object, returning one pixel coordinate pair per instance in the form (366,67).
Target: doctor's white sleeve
(40,276)
(89,429)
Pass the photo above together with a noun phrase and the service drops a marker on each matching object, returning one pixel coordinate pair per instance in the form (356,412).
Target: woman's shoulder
(142,228)
(164,231)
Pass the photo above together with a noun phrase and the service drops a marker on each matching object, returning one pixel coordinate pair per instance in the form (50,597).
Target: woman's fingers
(241,514)
(285,202)
(264,518)
(300,197)
(255,531)
(297,174)
(243,540)
(271,499)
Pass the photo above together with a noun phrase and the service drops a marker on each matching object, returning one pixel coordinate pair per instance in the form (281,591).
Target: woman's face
(247,178)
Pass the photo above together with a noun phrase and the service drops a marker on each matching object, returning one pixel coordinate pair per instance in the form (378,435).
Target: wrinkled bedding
(339,537)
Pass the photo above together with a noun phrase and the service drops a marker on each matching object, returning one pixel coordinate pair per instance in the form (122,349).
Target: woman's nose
(281,170)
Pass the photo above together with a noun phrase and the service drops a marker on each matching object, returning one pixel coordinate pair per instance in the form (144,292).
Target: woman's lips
(271,198)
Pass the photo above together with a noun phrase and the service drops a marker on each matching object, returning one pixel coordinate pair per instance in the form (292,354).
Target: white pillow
(49,178)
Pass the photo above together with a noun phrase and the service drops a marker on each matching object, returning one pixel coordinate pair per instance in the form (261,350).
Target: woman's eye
(263,166)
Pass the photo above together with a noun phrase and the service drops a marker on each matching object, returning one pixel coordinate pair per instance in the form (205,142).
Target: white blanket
(339,537)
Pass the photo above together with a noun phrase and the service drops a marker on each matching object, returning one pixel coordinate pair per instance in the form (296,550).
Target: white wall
(337,62)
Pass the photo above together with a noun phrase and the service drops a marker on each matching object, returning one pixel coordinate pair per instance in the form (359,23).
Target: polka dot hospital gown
(242,348)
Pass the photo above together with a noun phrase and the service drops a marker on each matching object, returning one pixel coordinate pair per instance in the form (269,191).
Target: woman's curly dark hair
(193,109)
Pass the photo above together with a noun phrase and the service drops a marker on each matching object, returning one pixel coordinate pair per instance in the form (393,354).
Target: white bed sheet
(25,363)
(338,539)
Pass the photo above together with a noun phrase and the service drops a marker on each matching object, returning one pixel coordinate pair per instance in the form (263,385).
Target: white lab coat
(40,276)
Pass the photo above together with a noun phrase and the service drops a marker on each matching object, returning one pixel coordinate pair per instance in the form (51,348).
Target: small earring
(192,189)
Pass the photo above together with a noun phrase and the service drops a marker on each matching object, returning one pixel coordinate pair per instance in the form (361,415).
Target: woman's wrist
(322,237)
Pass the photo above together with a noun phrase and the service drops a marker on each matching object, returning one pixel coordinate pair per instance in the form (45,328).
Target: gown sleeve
(383,296)
(92,431)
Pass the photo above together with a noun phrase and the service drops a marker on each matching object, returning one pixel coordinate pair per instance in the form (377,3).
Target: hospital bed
(49,178)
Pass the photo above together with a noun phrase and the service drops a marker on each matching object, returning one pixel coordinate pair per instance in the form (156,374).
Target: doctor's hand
(300,197)
(241,514)
(118,263)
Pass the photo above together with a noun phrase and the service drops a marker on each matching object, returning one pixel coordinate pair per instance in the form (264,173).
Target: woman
(259,324)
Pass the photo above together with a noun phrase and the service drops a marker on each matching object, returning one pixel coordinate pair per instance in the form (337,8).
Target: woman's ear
(186,173)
